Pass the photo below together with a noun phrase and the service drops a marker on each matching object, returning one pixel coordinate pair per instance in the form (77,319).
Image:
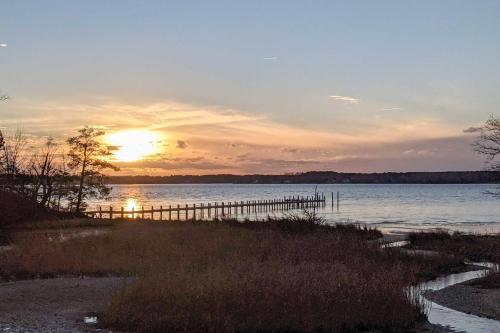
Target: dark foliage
(322,177)
(17,210)
(472,247)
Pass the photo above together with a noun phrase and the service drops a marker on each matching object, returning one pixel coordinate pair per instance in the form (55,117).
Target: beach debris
(90,320)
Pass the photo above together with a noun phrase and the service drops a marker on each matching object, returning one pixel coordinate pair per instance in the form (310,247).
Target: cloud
(289,150)
(421,152)
(472,129)
(173,166)
(3,45)
(346,99)
(210,128)
(181,144)
(271,58)
(392,109)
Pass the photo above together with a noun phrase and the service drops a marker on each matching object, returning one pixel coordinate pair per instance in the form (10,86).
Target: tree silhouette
(488,143)
(87,157)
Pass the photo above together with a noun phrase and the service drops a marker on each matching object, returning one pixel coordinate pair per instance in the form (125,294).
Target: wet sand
(469,299)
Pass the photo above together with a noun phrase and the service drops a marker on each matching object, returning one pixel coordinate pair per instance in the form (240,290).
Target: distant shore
(321,177)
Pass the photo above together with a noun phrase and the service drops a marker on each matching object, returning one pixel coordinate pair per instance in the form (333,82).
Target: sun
(133,145)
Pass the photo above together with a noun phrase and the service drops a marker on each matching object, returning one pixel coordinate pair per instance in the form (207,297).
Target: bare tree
(3,97)
(63,184)
(12,156)
(87,156)
(43,169)
(488,143)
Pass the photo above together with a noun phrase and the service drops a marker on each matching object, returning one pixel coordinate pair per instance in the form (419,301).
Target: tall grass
(228,276)
(268,281)
(473,247)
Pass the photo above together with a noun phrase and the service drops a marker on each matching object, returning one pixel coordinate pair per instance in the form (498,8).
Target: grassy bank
(281,275)
(470,247)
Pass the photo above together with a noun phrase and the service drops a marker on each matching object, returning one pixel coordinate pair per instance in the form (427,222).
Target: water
(389,206)
(458,321)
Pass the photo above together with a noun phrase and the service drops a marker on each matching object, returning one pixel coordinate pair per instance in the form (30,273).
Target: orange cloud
(230,140)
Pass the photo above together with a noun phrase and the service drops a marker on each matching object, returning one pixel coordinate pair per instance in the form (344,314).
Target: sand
(469,299)
(54,305)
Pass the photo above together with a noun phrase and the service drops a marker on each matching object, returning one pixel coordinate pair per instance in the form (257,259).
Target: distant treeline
(322,177)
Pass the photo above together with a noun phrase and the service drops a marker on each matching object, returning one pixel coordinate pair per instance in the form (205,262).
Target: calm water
(390,206)
(458,321)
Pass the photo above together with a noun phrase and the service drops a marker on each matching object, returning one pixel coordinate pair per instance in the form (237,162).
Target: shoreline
(55,305)
(468,299)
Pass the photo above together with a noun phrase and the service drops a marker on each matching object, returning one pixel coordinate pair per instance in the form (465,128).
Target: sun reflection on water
(131,205)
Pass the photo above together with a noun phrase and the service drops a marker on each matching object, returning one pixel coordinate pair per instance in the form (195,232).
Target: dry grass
(225,276)
(472,247)
(429,267)
(63,224)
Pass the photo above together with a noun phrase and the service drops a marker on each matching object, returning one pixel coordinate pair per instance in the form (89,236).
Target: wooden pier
(211,210)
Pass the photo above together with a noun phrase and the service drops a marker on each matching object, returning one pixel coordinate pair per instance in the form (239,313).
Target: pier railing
(210,210)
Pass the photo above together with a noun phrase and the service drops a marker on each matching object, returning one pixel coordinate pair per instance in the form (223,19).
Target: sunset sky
(203,87)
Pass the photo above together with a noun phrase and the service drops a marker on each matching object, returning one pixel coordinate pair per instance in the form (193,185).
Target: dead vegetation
(464,246)
(278,275)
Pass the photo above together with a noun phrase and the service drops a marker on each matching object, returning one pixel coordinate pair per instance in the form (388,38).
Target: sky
(205,87)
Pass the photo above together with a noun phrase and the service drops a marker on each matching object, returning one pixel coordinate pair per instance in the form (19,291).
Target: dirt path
(54,305)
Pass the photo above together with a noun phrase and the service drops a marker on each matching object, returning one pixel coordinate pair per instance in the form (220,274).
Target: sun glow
(133,145)
(131,206)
